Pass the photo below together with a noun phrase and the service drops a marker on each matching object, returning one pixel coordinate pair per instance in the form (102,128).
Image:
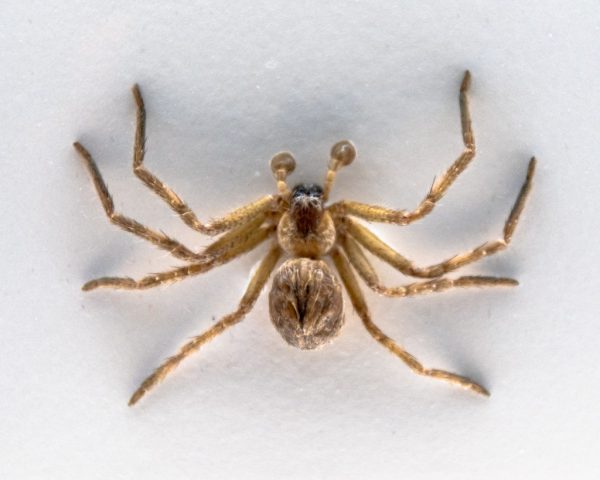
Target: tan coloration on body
(305,301)
(375,213)
(361,264)
(261,276)
(157,238)
(282,164)
(342,154)
(377,247)
(215,226)
(236,236)
(313,245)
(242,245)
(359,304)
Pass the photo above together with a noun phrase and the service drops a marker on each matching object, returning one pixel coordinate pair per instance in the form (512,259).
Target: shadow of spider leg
(236,217)
(374,213)
(227,253)
(258,281)
(361,264)
(358,301)
(380,249)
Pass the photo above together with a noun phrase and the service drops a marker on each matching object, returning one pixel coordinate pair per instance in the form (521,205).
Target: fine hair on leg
(375,213)
(366,271)
(235,218)
(159,239)
(379,248)
(253,290)
(358,301)
(180,273)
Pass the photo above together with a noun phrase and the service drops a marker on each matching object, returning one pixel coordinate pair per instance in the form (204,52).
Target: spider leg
(215,226)
(361,264)
(360,306)
(234,236)
(380,249)
(211,261)
(157,238)
(252,292)
(374,213)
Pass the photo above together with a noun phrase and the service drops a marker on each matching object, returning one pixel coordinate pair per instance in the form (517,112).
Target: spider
(305,301)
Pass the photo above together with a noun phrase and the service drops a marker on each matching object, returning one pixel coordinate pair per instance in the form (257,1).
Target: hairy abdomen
(306,303)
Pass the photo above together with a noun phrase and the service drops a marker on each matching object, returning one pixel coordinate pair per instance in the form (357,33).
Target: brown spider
(305,301)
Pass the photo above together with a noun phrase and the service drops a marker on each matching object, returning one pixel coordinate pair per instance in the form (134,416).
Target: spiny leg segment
(252,292)
(361,264)
(380,249)
(157,238)
(374,213)
(361,308)
(232,238)
(235,249)
(235,218)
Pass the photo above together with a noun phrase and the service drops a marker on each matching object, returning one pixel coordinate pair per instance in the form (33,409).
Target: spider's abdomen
(306,303)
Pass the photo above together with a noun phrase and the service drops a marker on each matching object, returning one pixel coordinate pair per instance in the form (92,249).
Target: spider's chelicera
(305,301)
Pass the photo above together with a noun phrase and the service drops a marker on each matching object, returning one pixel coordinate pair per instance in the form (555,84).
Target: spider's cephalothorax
(305,301)
(306,229)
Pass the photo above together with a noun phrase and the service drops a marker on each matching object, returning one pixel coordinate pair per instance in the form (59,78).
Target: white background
(228,84)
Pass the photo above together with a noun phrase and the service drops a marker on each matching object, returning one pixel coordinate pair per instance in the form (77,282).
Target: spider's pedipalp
(358,301)
(282,164)
(342,153)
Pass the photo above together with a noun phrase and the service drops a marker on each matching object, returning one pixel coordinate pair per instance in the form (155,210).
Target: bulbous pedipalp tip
(343,153)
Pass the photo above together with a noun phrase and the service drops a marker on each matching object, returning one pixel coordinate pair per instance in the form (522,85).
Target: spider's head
(307,194)
(306,206)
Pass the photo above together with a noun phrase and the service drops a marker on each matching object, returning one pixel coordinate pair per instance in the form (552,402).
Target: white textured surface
(226,87)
